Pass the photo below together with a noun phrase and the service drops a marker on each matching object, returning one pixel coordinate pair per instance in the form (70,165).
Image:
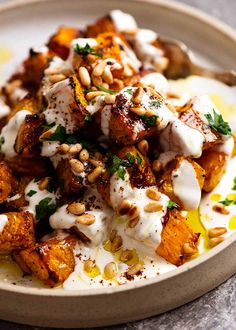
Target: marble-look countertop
(216,309)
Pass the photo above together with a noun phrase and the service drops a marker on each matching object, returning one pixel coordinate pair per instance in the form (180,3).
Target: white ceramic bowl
(28,23)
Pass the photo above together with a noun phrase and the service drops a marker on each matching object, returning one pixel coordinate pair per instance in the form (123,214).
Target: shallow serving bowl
(29,23)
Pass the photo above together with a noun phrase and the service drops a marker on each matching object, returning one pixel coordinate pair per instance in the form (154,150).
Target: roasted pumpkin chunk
(102,25)
(51,261)
(6,181)
(214,164)
(17,233)
(178,241)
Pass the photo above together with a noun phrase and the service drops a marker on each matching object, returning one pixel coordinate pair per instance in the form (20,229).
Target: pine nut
(76,165)
(126,255)
(110,99)
(75,149)
(46,134)
(127,71)
(116,244)
(96,163)
(113,234)
(149,113)
(143,147)
(153,207)
(84,76)
(219,208)
(56,78)
(86,219)
(188,249)
(135,269)
(76,208)
(43,183)
(64,148)
(88,265)
(91,58)
(133,222)
(138,111)
(125,206)
(107,76)
(97,81)
(153,193)
(111,270)
(95,174)
(99,68)
(133,212)
(92,95)
(217,231)
(84,155)
(105,85)
(216,240)
(137,95)
(118,84)
(156,165)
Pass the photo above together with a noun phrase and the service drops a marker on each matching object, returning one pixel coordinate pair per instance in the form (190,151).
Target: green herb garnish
(149,121)
(31,193)
(103,89)
(47,126)
(86,50)
(139,159)
(44,208)
(88,118)
(129,91)
(118,165)
(155,104)
(51,187)
(2,140)
(58,135)
(172,205)
(234,186)
(217,123)
(228,202)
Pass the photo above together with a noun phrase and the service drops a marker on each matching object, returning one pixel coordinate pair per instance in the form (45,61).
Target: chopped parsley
(86,50)
(44,208)
(234,186)
(103,89)
(118,165)
(88,118)
(51,187)
(58,135)
(155,104)
(129,91)
(31,193)
(47,126)
(172,205)
(228,202)
(149,121)
(2,140)
(139,159)
(217,123)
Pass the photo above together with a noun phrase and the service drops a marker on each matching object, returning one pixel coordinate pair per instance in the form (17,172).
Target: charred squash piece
(27,141)
(214,164)
(193,120)
(178,241)
(28,103)
(102,25)
(164,180)
(51,261)
(60,42)
(19,189)
(35,166)
(17,233)
(6,181)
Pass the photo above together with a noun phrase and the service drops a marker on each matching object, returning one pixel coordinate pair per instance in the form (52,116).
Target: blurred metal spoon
(182,63)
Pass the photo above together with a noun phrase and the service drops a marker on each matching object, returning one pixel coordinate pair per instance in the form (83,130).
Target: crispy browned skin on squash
(51,261)
(6,181)
(214,164)
(35,166)
(164,180)
(102,25)
(19,189)
(27,141)
(141,174)
(18,233)
(60,42)
(28,103)
(174,236)
(193,120)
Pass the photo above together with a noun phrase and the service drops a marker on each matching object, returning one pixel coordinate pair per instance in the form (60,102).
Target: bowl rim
(215,25)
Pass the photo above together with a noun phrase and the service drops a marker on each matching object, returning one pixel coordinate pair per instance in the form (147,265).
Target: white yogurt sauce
(123,22)
(49,148)
(60,97)
(157,81)
(3,221)
(36,197)
(186,186)
(105,119)
(10,131)
(4,109)
(96,104)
